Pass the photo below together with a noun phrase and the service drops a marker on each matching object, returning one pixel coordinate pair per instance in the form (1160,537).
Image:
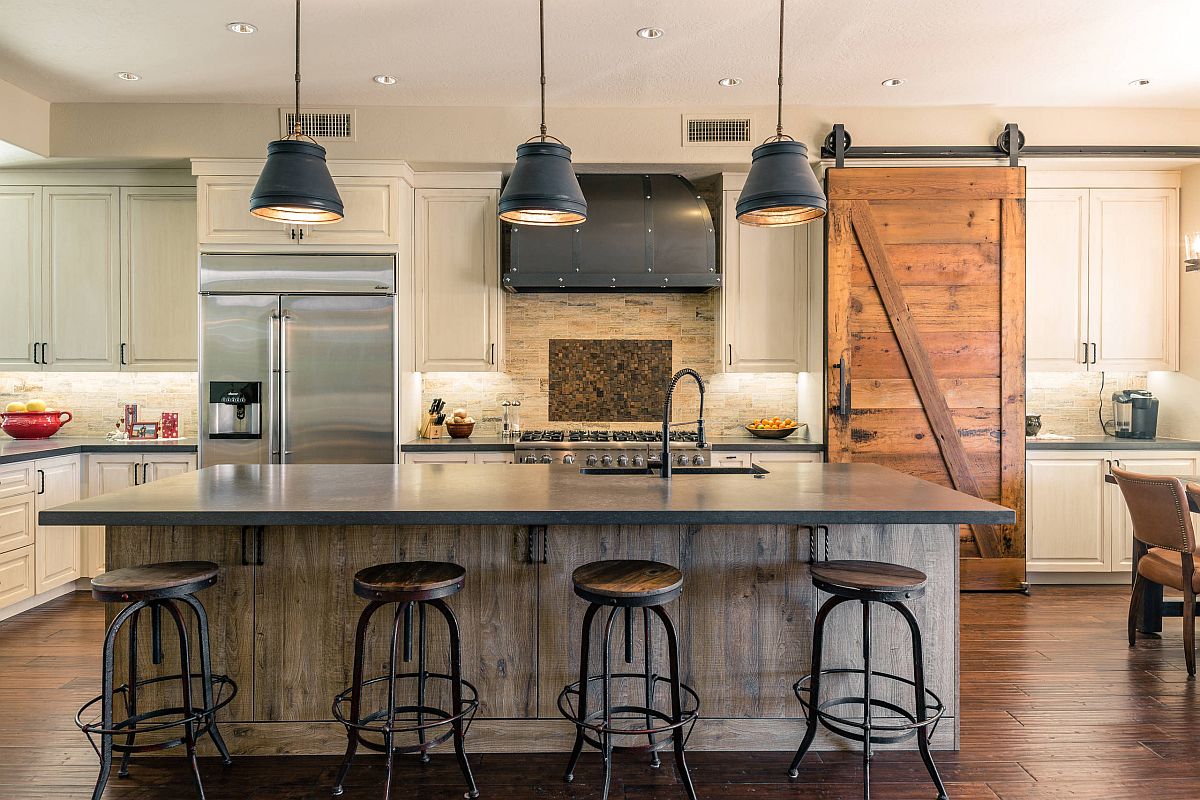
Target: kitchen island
(289,539)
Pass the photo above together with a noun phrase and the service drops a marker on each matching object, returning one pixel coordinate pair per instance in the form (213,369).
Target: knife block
(431,430)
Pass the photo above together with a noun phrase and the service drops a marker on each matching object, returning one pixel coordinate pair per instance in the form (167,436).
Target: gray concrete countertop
(1110,443)
(14,450)
(382,494)
(495,444)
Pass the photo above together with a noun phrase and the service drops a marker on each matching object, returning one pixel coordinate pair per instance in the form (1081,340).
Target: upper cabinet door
(457,280)
(371,216)
(225,218)
(21,275)
(1134,286)
(764,301)
(1056,270)
(158,279)
(81,277)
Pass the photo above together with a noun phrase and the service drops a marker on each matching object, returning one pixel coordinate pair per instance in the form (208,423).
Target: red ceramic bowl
(33,424)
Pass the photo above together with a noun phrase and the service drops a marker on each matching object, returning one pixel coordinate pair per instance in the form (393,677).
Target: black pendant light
(294,185)
(781,188)
(543,189)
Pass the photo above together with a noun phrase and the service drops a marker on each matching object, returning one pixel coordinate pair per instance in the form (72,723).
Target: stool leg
(606,700)
(676,700)
(421,681)
(810,731)
(919,679)
(131,694)
(106,692)
(655,763)
(360,644)
(206,675)
(584,656)
(185,672)
(866,650)
(388,738)
(460,728)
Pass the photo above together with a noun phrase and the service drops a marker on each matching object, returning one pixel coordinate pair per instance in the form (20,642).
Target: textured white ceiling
(483,52)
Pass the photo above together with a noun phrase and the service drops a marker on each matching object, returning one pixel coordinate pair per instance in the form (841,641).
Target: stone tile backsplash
(96,399)
(1069,401)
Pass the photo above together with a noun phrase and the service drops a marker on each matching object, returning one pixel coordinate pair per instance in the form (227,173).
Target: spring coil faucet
(667,425)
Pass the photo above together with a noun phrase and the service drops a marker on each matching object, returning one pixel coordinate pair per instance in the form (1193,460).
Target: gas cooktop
(583,438)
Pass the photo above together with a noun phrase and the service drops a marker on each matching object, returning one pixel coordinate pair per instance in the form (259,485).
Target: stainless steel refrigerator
(297,359)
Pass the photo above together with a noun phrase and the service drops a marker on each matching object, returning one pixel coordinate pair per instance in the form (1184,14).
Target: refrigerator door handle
(272,392)
(283,394)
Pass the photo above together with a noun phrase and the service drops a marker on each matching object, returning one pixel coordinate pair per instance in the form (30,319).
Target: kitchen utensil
(459,430)
(773,433)
(33,424)
(1033,424)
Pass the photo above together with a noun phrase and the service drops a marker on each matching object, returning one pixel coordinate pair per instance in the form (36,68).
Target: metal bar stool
(869,582)
(156,587)
(648,585)
(410,586)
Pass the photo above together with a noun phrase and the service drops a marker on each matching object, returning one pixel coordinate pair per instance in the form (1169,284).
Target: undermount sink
(753,469)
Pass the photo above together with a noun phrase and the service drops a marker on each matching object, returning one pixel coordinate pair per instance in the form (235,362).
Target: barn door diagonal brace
(933,400)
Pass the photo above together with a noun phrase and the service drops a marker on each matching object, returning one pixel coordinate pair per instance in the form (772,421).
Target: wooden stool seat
(628,583)
(872,580)
(154,581)
(409,581)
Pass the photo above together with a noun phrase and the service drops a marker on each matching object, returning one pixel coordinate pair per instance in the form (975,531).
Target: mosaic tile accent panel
(608,380)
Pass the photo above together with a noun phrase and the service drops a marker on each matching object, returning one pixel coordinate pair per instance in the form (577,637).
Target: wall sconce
(1191,252)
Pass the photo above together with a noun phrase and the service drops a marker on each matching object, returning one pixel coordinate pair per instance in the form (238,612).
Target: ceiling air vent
(704,131)
(320,123)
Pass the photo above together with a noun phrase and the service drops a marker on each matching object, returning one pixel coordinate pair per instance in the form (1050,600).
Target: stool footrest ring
(882,730)
(376,722)
(594,721)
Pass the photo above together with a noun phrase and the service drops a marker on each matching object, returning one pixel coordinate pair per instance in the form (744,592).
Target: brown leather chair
(1162,519)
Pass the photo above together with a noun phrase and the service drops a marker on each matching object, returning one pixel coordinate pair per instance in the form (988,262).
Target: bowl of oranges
(773,427)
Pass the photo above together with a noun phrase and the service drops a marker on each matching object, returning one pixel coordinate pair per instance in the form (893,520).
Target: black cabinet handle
(730,354)
(1094,349)
(145,473)
(301,234)
(41,481)
(35,353)
(123,354)
(293,231)
(45,347)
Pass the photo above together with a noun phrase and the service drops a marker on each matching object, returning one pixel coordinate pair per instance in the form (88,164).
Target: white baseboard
(45,597)
(1080,578)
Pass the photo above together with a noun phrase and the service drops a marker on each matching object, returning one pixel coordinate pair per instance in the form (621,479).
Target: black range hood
(643,233)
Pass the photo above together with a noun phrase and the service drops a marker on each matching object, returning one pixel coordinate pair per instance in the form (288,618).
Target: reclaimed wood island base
(288,541)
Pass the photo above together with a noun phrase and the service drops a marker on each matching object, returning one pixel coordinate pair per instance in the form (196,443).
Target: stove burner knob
(606,461)
(547,460)
(622,461)
(569,458)
(698,460)
(529,460)
(682,460)
(638,461)
(591,461)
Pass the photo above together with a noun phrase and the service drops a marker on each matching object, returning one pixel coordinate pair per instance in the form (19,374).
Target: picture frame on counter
(144,430)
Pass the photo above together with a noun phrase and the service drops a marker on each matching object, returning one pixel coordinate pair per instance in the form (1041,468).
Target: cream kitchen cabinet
(457,305)
(158,279)
(762,323)
(439,458)
(766,457)
(1077,522)
(495,458)
(57,558)
(371,214)
(16,575)
(1102,281)
(110,472)
(21,276)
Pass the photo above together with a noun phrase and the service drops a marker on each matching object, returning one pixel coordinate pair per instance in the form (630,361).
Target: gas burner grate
(589,436)
(542,436)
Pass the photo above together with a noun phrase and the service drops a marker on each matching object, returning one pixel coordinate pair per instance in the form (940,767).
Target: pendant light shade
(295,185)
(781,188)
(543,189)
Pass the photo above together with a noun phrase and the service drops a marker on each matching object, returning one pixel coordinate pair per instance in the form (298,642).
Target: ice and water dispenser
(234,410)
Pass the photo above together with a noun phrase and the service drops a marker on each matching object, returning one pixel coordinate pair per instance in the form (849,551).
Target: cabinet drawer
(16,522)
(721,458)
(16,576)
(16,479)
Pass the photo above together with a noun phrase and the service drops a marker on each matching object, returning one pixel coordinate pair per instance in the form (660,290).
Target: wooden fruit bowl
(773,433)
(459,430)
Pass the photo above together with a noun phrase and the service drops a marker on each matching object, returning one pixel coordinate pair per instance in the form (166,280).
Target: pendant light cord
(296,118)
(542,52)
(779,134)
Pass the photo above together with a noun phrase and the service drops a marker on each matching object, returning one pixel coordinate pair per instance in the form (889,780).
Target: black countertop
(495,444)
(1110,443)
(13,450)
(379,494)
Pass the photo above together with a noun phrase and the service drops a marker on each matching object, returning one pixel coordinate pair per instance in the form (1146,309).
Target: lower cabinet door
(1066,516)
(439,458)
(721,458)
(164,465)
(58,559)
(16,575)
(1120,525)
(17,522)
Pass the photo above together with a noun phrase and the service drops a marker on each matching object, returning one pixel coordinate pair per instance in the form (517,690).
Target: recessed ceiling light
(385,80)
(730,81)
(1140,82)
(242,27)
(129,76)
(893,82)
(650,33)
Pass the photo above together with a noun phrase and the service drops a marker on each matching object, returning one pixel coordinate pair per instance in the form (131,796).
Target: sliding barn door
(926,348)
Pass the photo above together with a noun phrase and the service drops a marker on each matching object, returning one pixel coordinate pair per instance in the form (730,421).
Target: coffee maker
(1135,414)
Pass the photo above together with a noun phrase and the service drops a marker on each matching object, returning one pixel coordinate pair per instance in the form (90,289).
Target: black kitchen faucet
(667,424)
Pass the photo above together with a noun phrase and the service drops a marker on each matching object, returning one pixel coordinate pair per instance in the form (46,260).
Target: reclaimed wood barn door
(926,338)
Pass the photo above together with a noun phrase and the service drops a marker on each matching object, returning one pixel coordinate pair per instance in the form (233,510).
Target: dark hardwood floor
(1055,705)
